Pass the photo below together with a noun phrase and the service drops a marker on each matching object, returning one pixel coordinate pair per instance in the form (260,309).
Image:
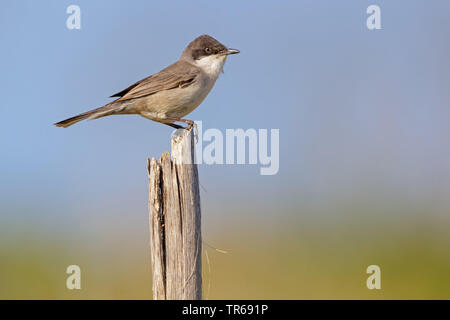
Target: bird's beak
(230,51)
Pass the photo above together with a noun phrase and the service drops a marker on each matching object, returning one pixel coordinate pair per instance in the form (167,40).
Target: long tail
(106,110)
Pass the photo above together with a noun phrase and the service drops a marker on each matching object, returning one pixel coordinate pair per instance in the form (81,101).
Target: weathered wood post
(175,221)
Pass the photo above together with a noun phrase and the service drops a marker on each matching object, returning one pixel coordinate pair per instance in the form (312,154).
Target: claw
(192,124)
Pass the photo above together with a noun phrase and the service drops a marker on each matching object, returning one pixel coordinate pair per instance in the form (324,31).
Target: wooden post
(175,227)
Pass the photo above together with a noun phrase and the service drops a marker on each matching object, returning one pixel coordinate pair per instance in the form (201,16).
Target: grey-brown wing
(178,75)
(124,92)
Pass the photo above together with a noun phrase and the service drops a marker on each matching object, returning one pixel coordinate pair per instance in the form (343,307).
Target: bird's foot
(190,124)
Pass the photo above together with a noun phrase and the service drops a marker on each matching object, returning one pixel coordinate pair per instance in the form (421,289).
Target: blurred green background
(290,260)
(364,148)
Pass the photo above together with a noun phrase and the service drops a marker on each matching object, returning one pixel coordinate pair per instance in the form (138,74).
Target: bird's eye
(208,50)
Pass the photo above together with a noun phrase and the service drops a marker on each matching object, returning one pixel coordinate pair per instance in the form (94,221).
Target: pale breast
(175,103)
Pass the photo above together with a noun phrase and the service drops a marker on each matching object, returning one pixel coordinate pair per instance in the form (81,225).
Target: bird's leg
(170,124)
(173,125)
(190,124)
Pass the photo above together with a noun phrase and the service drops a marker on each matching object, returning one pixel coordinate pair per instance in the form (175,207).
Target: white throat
(212,65)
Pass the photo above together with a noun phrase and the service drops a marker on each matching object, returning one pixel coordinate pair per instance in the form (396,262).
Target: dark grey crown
(203,46)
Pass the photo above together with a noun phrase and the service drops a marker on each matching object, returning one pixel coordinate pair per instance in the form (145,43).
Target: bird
(174,92)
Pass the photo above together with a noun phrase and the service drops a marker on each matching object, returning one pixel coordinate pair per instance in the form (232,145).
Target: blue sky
(363,115)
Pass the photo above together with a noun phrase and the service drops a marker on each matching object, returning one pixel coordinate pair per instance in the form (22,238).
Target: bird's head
(207,53)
